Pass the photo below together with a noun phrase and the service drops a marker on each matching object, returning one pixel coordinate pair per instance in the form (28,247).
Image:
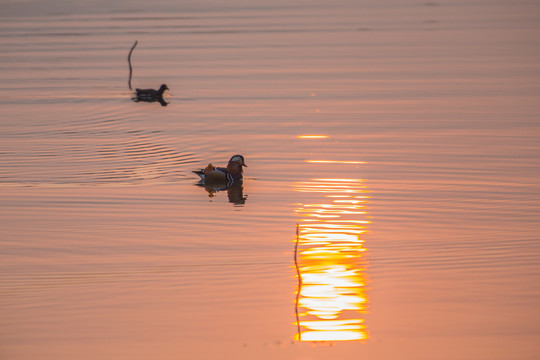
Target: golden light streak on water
(331,296)
(313,136)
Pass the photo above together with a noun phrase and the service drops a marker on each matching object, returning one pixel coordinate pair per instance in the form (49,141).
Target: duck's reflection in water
(159,100)
(331,296)
(235,191)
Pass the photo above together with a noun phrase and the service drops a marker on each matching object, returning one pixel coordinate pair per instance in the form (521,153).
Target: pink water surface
(399,139)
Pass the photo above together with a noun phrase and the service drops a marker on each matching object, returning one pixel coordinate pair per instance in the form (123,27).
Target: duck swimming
(151,95)
(224,175)
(146,95)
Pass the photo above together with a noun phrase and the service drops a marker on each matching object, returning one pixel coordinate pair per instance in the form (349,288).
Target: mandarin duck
(223,175)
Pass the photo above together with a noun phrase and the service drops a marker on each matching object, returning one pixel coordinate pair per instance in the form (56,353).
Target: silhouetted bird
(151,95)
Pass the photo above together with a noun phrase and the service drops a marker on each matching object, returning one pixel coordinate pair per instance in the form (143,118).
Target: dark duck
(146,95)
(224,176)
(151,95)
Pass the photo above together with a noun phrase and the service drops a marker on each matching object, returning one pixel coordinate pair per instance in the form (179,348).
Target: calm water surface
(390,207)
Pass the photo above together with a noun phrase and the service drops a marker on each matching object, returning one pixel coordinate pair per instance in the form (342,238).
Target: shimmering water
(389,209)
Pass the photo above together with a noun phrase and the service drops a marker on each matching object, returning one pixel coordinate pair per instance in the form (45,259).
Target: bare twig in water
(129,62)
(299,282)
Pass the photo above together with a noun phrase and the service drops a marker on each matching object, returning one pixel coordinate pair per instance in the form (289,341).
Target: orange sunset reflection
(331,296)
(312,136)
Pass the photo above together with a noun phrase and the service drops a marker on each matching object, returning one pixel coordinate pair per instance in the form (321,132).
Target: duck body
(225,176)
(151,95)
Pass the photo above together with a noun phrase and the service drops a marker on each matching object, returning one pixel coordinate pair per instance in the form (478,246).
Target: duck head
(162,89)
(235,164)
(238,159)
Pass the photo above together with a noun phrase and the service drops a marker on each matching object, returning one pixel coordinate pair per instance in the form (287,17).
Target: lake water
(390,207)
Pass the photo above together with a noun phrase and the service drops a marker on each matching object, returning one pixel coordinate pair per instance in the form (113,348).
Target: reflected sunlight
(331,295)
(312,136)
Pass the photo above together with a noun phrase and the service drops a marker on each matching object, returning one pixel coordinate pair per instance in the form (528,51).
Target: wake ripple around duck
(101,148)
